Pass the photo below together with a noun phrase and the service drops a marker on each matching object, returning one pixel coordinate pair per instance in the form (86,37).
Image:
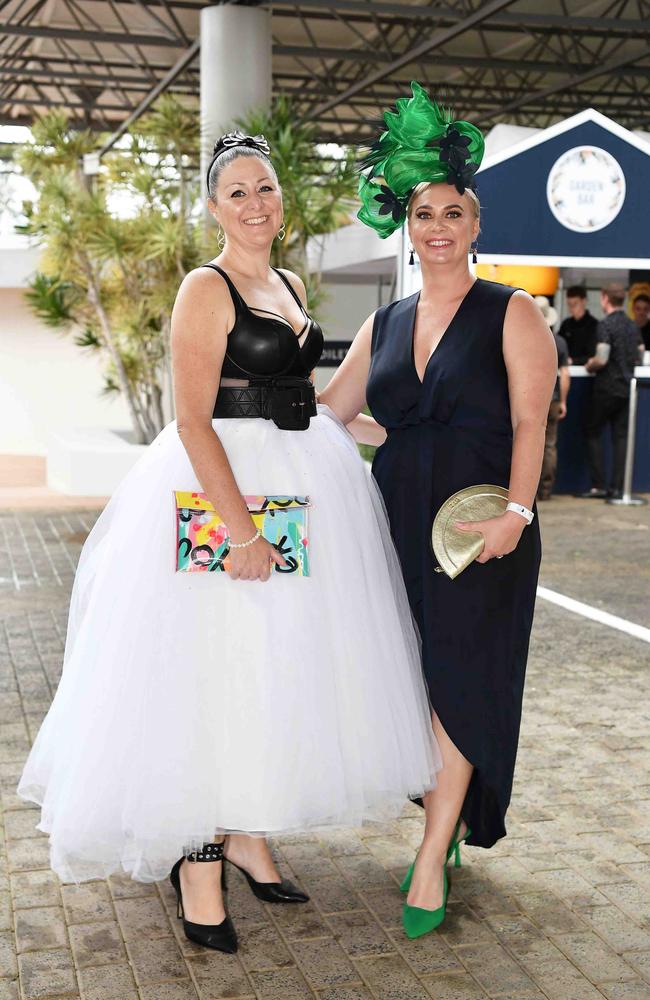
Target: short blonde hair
(425,185)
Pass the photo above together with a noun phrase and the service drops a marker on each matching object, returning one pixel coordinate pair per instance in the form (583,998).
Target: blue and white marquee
(576,194)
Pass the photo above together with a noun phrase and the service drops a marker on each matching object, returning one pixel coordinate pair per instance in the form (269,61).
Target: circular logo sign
(585,189)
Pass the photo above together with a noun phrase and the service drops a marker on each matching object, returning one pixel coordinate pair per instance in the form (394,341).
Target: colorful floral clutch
(202,537)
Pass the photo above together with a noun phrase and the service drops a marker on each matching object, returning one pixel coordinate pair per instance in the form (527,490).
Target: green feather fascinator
(421,143)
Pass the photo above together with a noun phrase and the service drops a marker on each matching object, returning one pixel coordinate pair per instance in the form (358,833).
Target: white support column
(235,69)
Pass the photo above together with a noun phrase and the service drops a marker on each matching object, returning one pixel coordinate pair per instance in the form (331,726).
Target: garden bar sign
(586,189)
(572,195)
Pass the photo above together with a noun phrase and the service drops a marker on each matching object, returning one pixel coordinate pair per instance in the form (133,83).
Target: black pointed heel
(270,892)
(220,937)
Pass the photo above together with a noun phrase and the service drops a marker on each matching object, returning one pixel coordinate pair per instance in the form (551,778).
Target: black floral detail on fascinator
(454,147)
(392,205)
(462,177)
(454,151)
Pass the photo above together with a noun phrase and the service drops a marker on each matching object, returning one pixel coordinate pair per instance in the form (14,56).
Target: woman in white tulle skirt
(199,712)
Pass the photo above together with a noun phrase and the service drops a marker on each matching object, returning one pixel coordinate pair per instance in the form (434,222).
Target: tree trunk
(166,331)
(182,186)
(125,387)
(158,408)
(151,388)
(150,424)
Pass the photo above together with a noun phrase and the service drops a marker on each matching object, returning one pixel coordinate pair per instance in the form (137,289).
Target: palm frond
(51,299)
(88,340)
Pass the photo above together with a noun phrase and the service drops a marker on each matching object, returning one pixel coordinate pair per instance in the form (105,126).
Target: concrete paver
(559,910)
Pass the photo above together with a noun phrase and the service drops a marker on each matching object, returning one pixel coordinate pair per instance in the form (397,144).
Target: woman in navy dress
(459,378)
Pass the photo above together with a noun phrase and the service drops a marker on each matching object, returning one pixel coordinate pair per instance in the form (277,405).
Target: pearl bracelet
(244,545)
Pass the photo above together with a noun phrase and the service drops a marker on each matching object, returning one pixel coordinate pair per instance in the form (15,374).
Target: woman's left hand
(501,534)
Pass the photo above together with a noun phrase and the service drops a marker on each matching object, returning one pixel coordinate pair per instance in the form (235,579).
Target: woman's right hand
(254,562)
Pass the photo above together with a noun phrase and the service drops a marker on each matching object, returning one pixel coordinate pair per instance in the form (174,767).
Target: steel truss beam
(445,16)
(566,104)
(369,11)
(568,83)
(340,54)
(479,95)
(89,63)
(147,101)
(45,102)
(393,86)
(531,66)
(438,39)
(89,78)
(87,35)
(440,59)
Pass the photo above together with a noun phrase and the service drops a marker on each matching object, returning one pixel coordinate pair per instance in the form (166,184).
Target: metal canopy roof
(344,60)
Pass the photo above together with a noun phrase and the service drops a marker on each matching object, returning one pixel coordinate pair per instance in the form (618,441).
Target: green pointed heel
(417,922)
(406,884)
(454,848)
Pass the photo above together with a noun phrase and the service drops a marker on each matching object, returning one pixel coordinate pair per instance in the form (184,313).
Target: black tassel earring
(411,256)
(474,257)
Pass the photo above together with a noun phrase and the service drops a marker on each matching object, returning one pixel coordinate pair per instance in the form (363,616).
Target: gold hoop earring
(221,238)
(282,232)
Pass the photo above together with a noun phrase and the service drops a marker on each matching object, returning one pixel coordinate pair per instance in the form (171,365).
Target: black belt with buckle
(288,402)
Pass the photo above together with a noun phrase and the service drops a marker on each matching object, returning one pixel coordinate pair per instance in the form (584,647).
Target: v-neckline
(444,333)
(300,335)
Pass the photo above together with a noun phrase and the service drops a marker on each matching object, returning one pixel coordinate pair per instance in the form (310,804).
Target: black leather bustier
(261,347)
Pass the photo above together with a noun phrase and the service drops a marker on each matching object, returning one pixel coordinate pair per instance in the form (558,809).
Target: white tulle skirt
(191,704)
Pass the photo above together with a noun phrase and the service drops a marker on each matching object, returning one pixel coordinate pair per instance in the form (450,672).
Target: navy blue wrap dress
(449,431)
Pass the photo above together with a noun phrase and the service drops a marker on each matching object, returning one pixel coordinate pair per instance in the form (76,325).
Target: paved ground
(561,909)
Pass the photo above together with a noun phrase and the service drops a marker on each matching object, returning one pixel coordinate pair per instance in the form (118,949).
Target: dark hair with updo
(229,156)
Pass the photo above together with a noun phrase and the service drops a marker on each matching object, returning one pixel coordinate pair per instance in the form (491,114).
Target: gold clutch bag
(455,549)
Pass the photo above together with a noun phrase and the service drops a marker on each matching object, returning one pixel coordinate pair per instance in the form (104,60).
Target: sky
(14,189)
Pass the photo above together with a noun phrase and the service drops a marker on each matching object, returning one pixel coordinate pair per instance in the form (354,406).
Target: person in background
(558,408)
(619,348)
(579,329)
(641,314)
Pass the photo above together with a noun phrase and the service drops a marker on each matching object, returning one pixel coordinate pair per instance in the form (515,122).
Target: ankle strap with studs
(209,852)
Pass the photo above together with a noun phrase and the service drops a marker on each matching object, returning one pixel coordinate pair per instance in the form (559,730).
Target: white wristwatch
(518,508)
